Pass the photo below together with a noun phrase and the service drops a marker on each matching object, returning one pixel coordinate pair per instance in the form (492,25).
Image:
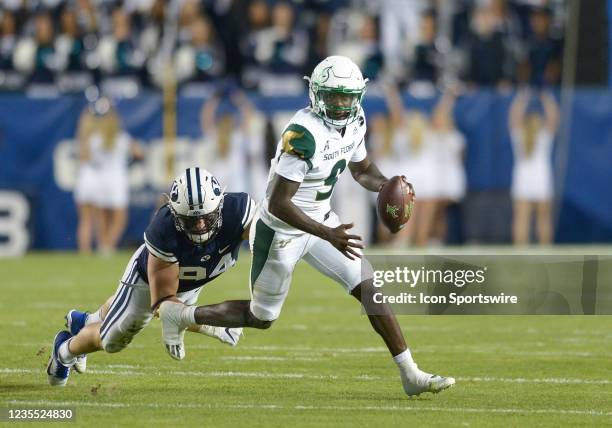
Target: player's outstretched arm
(163,281)
(281,206)
(367,174)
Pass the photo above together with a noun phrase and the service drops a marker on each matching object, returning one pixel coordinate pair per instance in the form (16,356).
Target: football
(395,202)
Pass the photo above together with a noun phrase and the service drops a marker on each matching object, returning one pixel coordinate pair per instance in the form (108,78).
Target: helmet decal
(216,187)
(174,193)
(325,74)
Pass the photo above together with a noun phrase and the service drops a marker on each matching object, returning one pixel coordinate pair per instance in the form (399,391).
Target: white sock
(66,357)
(409,368)
(403,358)
(188,315)
(207,330)
(92,318)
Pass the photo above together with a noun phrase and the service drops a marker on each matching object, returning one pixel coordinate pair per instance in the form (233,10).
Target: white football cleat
(226,335)
(433,383)
(173,328)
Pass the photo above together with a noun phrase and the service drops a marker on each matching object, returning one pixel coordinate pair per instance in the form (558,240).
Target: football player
(192,239)
(295,221)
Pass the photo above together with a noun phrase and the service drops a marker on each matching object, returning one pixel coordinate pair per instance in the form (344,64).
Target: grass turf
(319,365)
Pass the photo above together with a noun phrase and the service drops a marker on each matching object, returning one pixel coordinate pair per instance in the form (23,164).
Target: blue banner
(38,159)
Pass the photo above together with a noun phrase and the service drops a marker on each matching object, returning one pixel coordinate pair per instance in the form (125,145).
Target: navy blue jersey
(198,264)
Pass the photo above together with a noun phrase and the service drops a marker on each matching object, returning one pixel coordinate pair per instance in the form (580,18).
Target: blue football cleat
(56,371)
(75,321)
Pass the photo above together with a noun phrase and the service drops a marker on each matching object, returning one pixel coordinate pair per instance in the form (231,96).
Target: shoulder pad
(299,141)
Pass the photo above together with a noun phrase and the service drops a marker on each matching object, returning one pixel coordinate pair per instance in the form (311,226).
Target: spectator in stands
(102,190)
(189,12)
(364,48)
(70,47)
(282,52)
(199,60)
(426,55)
(399,26)
(8,42)
(488,57)
(46,60)
(119,55)
(69,43)
(87,16)
(542,66)
(258,21)
(532,180)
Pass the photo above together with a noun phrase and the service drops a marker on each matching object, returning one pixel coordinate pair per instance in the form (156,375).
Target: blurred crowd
(126,46)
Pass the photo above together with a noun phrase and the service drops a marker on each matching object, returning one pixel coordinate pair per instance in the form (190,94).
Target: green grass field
(319,365)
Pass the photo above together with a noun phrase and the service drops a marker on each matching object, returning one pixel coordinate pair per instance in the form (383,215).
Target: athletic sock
(92,318)
(66,357)
(409,368)
(207,330)
(188,315)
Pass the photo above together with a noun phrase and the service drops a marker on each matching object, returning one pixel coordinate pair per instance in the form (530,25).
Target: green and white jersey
(314,154)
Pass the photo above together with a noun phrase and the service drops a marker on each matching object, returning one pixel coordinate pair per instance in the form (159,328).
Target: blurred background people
(488,58)
(269,45)
(532,137)
(426,63)
(199,59)
(233,131)
(542,63)
(120,57)
(102,190)
(451,179)
(417,158)
(282,51)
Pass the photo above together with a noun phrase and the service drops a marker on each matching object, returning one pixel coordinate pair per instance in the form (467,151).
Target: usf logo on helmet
(336,89)
(196,202)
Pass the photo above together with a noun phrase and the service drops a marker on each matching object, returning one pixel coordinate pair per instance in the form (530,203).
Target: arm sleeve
(158,242)
(360,153)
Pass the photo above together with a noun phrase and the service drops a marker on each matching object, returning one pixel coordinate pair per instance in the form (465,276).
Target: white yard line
(553,380)
(271,375)
(581,412)
(319,351)
(264,358)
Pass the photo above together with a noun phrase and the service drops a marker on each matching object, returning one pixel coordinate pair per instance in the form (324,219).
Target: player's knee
(364,290)
(112,347)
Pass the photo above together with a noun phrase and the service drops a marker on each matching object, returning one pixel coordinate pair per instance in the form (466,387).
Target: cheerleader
(532,138)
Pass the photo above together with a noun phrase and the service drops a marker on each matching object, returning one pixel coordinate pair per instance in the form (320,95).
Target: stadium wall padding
(38,157)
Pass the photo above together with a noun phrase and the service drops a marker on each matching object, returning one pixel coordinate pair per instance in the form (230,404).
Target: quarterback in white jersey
(295,221)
